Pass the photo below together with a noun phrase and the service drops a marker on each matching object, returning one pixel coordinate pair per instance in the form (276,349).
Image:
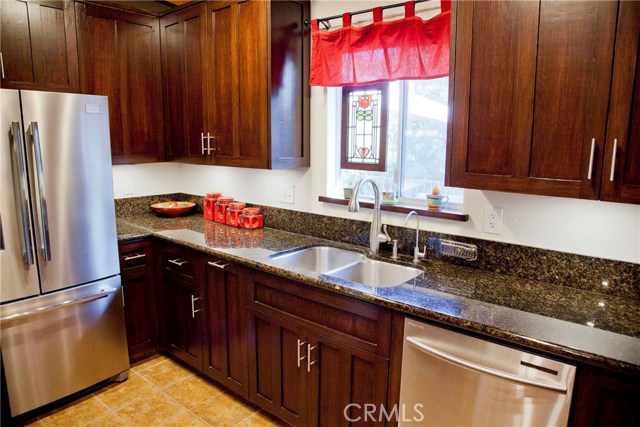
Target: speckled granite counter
(601,330)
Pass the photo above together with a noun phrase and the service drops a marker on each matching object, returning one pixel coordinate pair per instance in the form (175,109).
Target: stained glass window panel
(364,127)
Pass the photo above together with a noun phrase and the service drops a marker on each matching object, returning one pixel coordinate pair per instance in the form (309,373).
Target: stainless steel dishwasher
(452,379)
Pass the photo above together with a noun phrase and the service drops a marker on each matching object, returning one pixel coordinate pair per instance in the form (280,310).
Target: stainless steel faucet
(416,251)
(377,234)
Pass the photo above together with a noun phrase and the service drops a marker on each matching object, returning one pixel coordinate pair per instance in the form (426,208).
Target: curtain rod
(359,12)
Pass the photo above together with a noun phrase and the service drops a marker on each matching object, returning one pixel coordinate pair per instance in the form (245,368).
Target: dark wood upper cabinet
(183,50)
(530,94)
(235,75)
(38,45)
(119,56)
(621,179)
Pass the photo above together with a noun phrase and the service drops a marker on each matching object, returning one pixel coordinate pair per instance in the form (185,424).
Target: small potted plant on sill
(348,187)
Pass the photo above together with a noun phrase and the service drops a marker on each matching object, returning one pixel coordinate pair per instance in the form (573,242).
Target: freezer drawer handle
(44,216)
(103,294)
(20,182)
(417,344)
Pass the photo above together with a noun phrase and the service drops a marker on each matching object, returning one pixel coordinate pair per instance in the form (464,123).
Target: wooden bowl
(172,208)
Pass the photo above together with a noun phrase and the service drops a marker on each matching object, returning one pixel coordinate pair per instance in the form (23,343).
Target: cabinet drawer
(135,255)
(359,324)
(179,260)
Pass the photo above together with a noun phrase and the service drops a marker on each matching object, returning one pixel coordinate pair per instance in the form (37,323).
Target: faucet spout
(416,250)
(376,235)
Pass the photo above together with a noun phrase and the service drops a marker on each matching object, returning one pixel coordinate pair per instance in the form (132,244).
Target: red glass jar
(221,209)
(209,205)
(251,218)
(234,211)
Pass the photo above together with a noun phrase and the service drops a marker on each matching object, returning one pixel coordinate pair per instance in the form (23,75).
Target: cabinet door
(237,61)
(225,326)
(344,379)
(38,45)
(604,399)
(621,180)
(277,368)
(531,89)
(182,318)
(183,46)
(120,58)
(140,314)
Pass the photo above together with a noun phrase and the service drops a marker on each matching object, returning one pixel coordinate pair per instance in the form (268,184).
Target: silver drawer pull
(419,345)
(218,265)
(593,149)
(132,257)
(179,262)
(300,357)
(103,294)
(193,306)
(309,362)
(613,160)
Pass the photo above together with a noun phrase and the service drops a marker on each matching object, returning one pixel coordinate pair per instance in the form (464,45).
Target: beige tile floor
(159,392)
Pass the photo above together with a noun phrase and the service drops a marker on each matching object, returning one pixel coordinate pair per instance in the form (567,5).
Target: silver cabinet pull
(309,362)
(417,344)
(209,149)
(300,357)
(202,141)
(132,257)
(217,265)
(103,294)
(593,149)
(179,262)
(21,192)
(2,64)
(613,159)
(193,306)
(44,216)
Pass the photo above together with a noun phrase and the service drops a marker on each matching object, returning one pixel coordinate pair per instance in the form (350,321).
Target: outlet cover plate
(288,194)
(493,220)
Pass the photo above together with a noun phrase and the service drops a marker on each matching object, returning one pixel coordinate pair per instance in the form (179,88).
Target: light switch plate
(493,220)
(288,194)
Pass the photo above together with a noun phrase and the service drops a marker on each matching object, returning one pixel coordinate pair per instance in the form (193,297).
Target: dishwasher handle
(419,345)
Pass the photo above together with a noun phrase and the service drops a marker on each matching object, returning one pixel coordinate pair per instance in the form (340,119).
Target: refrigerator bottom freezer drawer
(58,344)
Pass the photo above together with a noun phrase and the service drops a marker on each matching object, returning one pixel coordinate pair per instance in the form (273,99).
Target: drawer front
(178,259)
(135,255)
(359,324)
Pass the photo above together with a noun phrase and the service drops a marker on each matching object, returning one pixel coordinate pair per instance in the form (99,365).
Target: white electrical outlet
(493,220)
(288,194)
(127,187)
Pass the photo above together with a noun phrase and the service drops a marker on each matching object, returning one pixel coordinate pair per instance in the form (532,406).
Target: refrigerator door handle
(44,217)
(103,294)
(21,192)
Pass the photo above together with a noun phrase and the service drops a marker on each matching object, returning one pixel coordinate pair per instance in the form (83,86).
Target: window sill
(442,213)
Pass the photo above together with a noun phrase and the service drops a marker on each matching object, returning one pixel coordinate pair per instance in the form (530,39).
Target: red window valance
(408,48)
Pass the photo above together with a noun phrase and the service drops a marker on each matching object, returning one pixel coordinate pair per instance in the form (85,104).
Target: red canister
(251,218)
(221,208)
(234,211)
(209,205)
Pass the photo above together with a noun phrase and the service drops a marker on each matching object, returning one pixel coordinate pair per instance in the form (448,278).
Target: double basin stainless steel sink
(348,265)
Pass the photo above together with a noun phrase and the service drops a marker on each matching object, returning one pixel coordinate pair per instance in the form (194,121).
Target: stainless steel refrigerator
(62,319)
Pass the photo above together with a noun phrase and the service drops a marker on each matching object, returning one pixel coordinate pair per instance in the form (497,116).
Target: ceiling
(150,7)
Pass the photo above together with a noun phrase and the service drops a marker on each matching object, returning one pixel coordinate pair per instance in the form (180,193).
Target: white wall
(607,230)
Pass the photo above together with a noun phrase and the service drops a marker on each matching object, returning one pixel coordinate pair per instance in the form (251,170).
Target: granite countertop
(582,325)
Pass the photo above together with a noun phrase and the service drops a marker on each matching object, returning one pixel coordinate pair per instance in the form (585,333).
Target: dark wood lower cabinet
(183,324)
(225,330)
(604,399)
(140,304)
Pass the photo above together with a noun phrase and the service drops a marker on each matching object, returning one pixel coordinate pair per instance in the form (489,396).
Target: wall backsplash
(615,278)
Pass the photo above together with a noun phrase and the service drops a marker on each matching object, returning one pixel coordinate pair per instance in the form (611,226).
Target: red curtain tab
(408,48)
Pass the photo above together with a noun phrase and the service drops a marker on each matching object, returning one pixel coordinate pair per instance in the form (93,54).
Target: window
(415,144)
